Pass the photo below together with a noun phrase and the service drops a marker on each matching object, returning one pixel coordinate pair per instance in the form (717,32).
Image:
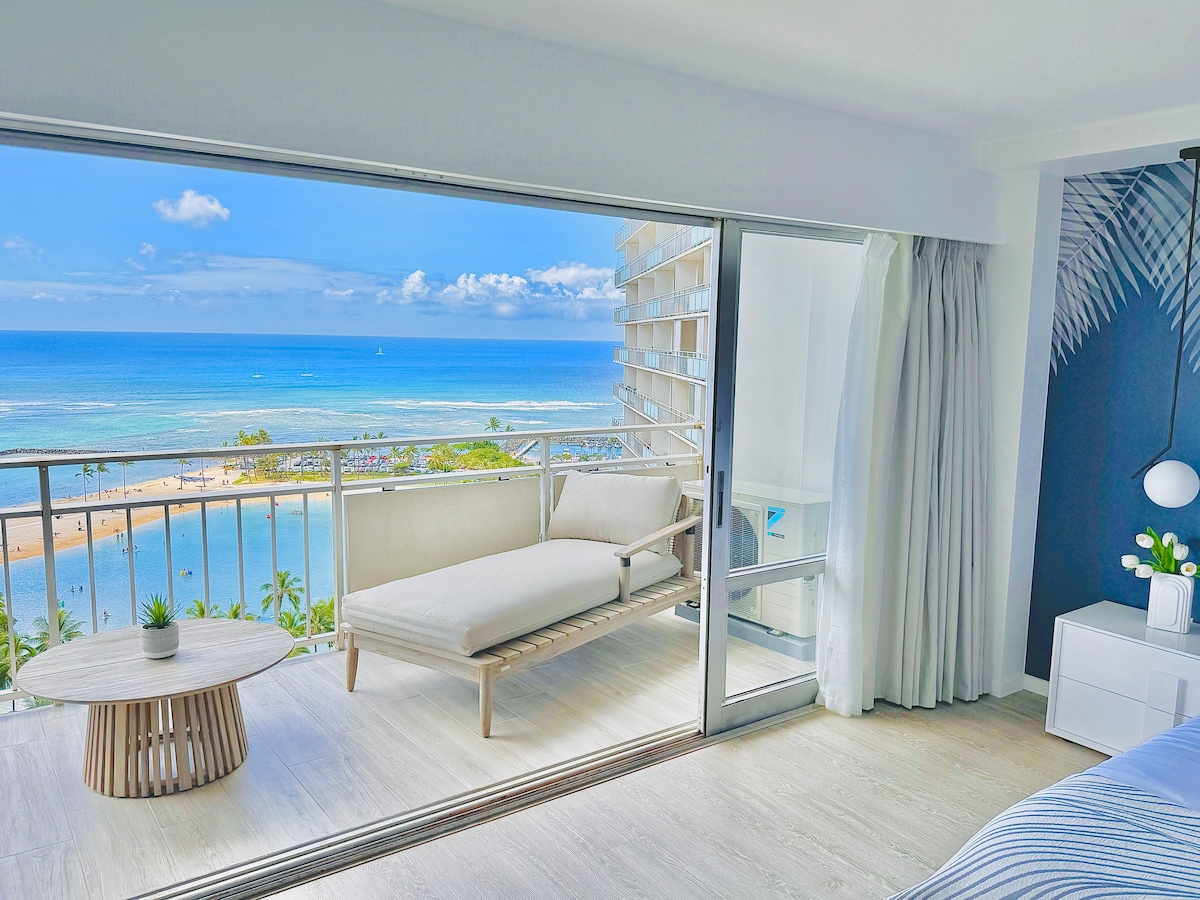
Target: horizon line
(301,334)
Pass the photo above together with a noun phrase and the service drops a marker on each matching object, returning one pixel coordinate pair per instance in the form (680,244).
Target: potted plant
(160,632)
(1171,585)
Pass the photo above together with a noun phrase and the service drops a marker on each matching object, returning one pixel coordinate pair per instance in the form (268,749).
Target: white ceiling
(983,71)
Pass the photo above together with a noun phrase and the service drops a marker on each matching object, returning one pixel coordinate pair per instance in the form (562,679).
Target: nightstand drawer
(1097,718)
(1118,665)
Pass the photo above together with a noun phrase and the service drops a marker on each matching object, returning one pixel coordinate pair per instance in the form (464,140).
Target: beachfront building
(664,272)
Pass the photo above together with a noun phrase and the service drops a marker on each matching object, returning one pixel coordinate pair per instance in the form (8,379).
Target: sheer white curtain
(902,616)
(848,616)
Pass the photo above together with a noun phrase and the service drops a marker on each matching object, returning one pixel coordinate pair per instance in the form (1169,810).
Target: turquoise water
(100,391)
(150,562)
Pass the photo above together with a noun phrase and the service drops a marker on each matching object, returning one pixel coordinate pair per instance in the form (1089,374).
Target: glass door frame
(718,712)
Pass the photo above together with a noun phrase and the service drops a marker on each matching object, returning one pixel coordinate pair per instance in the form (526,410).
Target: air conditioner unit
(767,529)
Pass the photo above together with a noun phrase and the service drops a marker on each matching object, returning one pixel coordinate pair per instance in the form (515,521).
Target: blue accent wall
(1106,414)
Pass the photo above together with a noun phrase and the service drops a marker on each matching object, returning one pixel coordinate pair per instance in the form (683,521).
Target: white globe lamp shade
(1172,484)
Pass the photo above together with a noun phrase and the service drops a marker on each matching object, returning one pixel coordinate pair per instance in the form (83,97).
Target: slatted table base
(164,746)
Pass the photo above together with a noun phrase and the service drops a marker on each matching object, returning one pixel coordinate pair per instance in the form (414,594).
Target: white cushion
(477,604)
(615,508)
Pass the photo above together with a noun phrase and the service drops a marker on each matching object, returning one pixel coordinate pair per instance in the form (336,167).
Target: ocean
(122,391)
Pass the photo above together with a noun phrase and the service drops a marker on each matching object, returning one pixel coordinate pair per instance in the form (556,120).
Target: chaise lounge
(607,562)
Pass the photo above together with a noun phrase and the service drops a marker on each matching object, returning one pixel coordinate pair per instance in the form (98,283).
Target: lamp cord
(1193,153)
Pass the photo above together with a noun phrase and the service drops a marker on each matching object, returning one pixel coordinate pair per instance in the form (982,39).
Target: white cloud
(22,248)
(149,251)
(473,286)
(571,275)
(414,286)
(197,210)
(567,292)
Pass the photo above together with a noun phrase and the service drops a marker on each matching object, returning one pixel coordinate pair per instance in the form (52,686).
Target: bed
(1128,827)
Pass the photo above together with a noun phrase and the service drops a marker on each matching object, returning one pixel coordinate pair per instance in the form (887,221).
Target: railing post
(48,553)
(335,470)
(546,493)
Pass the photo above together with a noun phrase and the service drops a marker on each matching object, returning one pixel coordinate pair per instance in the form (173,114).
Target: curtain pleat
(926,622)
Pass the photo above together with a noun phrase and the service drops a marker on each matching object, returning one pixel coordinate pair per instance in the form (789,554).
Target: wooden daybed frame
(518,654)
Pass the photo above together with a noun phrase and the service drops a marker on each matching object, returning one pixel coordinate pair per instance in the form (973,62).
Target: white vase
(1170,602)
(160,643)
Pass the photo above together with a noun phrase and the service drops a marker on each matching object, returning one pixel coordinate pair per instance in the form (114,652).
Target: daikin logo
(775,515)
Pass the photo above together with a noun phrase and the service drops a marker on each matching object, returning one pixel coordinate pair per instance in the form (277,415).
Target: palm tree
(441,458)
(125,464)
(196,610)
(101,469)
(69,628)
(403,457)
(252,439)
(182,463)
(87,473)
(493,424)
(20,643)
(285,587)
(235,612)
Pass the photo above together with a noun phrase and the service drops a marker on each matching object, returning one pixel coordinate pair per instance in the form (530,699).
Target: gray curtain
(931,637)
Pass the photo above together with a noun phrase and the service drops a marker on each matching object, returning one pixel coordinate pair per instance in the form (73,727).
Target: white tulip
(1145,570)
(1144,540)
(1188,569)
(1181,551)
(1170,538)
(1130,561)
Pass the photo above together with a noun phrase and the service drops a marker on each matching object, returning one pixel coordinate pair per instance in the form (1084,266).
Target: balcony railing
(308,481)
(635,445)
(675,362)
(626,231)
(691,301)
(659,413)
(676,243)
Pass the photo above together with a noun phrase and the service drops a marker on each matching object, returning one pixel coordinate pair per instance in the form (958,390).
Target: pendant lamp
(1170,482)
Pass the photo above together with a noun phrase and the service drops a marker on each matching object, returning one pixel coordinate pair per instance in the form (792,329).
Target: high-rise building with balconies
(664,272)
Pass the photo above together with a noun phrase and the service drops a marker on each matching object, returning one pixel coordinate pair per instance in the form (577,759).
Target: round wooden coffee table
(158,726)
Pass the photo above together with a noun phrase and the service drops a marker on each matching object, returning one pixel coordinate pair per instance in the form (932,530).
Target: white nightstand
(1114,682)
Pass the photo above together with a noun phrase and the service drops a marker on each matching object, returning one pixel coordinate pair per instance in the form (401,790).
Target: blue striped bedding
(1129,827)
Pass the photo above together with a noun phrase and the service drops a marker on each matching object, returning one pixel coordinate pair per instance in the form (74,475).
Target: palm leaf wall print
(1121,233)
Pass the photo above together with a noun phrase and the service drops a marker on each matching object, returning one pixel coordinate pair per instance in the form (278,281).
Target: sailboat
(257,374)
(379,352)
(307,373)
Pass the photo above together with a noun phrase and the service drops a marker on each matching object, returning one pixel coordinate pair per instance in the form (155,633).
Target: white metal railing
(659,413)
(635,445)
(678,241)
(692,301)
(626,231)
(676,362)
(335,469)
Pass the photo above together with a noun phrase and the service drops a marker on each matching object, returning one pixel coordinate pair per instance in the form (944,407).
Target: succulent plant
(157,613)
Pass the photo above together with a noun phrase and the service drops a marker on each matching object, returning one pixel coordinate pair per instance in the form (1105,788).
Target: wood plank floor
(322,760)
(819,807)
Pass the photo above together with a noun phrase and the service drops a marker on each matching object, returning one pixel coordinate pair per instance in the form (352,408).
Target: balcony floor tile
(322,760)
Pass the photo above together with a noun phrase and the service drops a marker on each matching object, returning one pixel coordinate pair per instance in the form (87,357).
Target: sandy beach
(25,535)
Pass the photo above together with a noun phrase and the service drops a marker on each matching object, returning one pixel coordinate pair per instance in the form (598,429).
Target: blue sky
(104,244)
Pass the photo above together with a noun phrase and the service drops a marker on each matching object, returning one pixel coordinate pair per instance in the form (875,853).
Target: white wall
(368,81)
(796,299)
(1020,307)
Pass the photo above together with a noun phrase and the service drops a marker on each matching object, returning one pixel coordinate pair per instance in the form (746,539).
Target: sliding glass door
(781,329)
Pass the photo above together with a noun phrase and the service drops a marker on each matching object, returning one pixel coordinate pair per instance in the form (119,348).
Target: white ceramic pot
(160,643)
(1170,602)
